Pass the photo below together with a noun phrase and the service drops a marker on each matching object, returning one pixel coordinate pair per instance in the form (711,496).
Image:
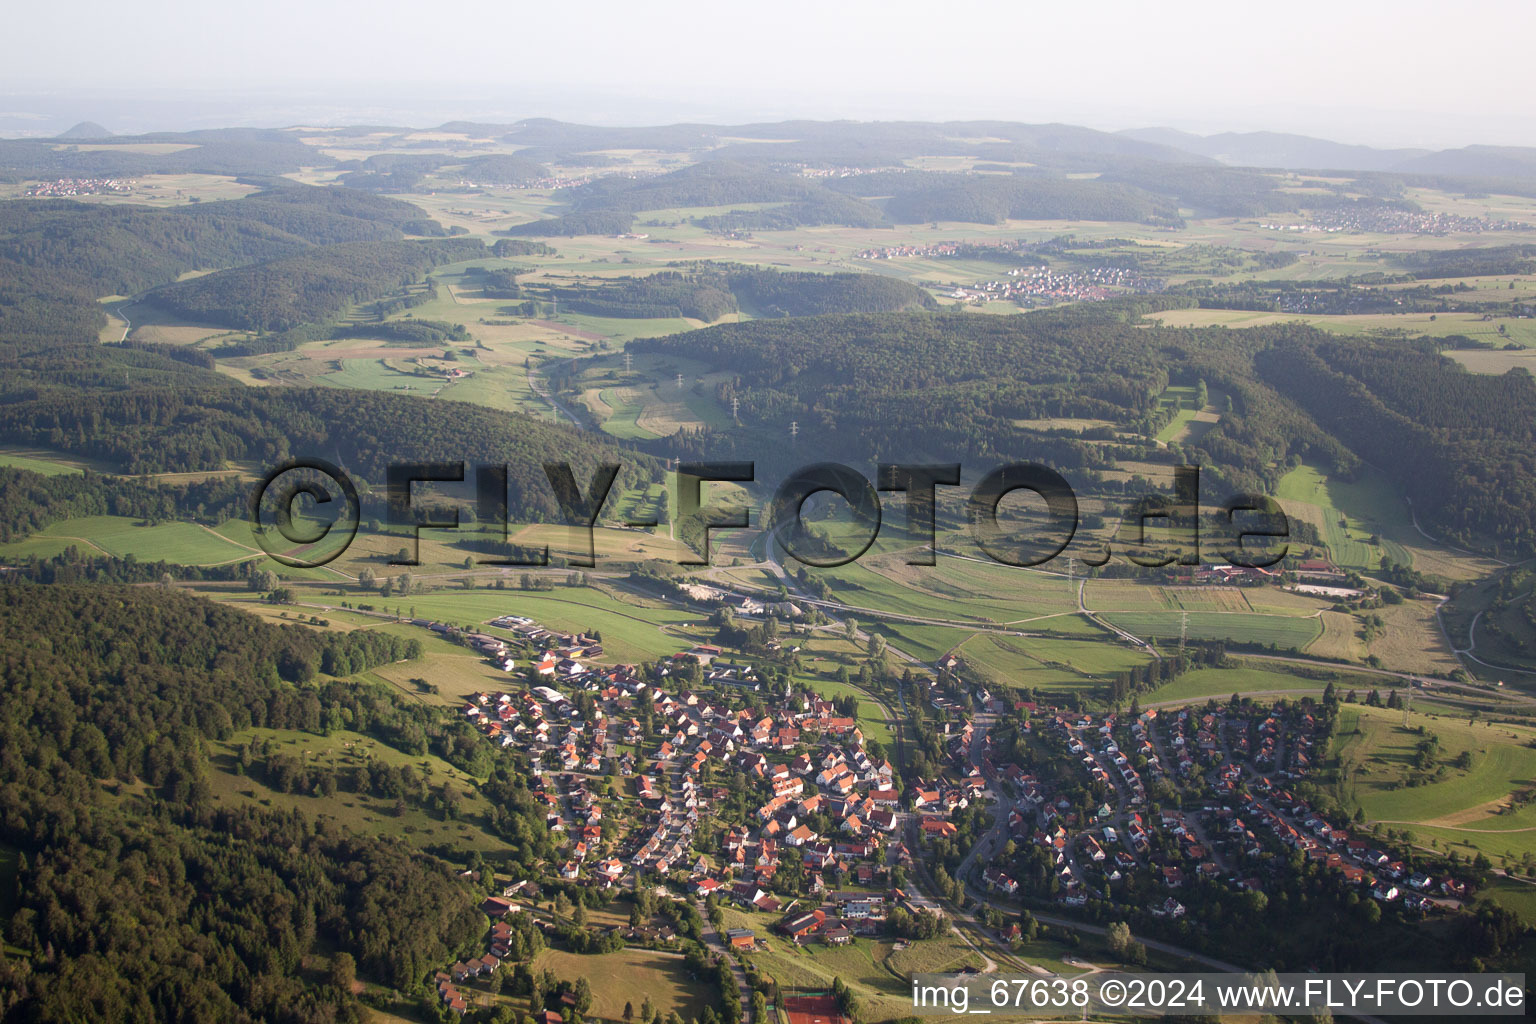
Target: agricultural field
(1340,639)
(181,542)
(1482,807)
(1472,325)
(1048,665)
(1283,632)
(1410,639)
(644,402)
(1221,683)
(1495,361)
(955,590)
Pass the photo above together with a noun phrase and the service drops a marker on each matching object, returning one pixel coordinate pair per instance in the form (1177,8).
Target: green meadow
(180,542)
(1474,808)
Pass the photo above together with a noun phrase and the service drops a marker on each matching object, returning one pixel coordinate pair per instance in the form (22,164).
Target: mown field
(1048,664)
(1283,632)
(37,462)
(1221,683)
(1359,520)
(182,542)
(955,590)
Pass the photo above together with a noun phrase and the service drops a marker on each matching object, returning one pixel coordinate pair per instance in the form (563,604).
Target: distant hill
(86,130)
(1302,152)
(1278,149)
(1478,161)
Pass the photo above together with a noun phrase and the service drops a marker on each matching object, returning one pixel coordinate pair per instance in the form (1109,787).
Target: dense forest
(163,431)
(143,899)
(586,222)
(708,291)
(314,285)
(826,209)
(609,204)
(237,151)
(1462,446)
(923,387)
(500,169)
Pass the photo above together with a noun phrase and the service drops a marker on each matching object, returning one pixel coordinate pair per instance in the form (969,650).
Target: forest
(146,431)
(950,387)
(57,257)
(1460,445)
(141,898)
(707,291)
(252,151)
(310,286)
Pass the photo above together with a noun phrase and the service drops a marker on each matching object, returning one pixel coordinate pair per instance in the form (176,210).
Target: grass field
(1048,664)
(871,718)
(873,969)
(1472,808)
(1349,514)
(1191,419)
(1510,894)
(359,812)
(644,402)
(1285,632)
(955,590)
(1223,682)
(36,464)
(185,543)
(1134,596)
(632,976)
(1494,361)
(631,631)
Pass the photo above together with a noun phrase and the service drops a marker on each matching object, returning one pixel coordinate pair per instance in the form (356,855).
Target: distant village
(1392,220)
(66,187)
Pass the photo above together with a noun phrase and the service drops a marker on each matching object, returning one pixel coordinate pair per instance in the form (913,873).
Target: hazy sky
(1387,73)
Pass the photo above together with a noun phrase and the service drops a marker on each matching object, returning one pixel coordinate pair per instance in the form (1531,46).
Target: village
(65,188)
(1042,286)
(719,782)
